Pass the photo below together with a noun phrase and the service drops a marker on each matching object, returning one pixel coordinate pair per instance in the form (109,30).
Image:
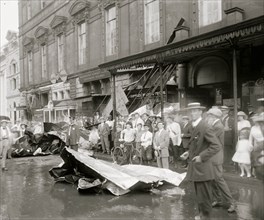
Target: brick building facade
(69,48)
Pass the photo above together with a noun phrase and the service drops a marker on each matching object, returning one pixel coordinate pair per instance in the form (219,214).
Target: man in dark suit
(186,134)
(203,145)
(73,135)
(220,188)
(161,146)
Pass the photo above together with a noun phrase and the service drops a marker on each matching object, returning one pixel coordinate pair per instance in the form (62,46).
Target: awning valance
(247,31)
(92,75)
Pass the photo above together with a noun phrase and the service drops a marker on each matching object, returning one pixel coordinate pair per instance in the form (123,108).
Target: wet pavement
(29,193)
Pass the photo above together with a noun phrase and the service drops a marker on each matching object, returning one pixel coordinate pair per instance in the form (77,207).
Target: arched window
(13,67)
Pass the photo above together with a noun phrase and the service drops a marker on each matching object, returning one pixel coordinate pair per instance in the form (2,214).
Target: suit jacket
(162,140)
(72,135)
(104,130)
(219,130)
(186,134)
(203,143)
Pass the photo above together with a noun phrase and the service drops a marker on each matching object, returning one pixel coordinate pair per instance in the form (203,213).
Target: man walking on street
(73,135)
(5,142)
(203,145)
(220,188)
(186,134)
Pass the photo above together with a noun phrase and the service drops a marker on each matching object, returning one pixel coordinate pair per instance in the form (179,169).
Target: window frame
(148,22)
(60,51)
(110,41)
(204,10)
(81,42)
(43,61)
(30,66)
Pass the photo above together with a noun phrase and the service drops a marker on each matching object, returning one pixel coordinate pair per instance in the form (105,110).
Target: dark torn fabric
(35,145)
(119,180)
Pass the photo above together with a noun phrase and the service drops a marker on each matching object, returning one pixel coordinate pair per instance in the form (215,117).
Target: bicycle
(119,154)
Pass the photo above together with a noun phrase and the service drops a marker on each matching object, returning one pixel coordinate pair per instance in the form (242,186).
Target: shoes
(4,169)
(197,217)
(232,208)
(216,204)
(242,175)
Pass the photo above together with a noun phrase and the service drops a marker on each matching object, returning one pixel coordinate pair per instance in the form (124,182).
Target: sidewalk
(230,173)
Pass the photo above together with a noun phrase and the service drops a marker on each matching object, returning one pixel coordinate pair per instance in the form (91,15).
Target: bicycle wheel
(136,157)
(118,155)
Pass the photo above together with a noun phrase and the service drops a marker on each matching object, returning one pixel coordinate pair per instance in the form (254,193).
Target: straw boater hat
(185,117)
(5,120)
(224,108)
(195,105)
(241,113)
(258,118)
(215,112)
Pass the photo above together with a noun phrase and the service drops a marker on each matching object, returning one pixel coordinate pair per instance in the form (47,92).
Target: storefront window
(81,42)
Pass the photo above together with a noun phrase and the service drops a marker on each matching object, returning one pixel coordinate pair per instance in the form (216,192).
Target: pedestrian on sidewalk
(221,190)
(73,135)
(161,146)
(104,131)
(5,142)
(203,145)
(185,135)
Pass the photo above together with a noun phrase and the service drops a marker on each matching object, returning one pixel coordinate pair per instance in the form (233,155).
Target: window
(210,11)
(42,4)
(61,94)
(60,52)
(28,9)
(43,61)
(13,68)
(30,67)
(55,96)
(111,31)
(152,21)
(13,84)
(81,42)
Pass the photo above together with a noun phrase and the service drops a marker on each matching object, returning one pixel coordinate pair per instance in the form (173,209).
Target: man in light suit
(104,131)
(73,135)
(161,145)
(5,142)
(203,145)
(220,188)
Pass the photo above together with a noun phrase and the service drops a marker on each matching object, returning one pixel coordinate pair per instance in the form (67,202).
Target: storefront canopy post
(161,92)
(235,91)
(113,75)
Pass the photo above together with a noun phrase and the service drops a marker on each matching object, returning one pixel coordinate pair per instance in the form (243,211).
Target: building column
(161,92)
(182,81)
(114,101)
(235,91)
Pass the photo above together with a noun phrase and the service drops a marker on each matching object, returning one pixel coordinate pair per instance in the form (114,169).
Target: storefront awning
(65,103)
(247,31)
(20,108)
(92,75)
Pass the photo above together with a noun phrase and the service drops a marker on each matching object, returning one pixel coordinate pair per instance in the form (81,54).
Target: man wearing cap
(73,135)
(104,131)
(220,188)
(161,146)
(203,145)
(5,142)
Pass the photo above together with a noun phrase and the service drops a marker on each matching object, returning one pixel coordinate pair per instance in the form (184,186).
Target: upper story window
(29,15)
(13,68)
(110,34)
(43,60)
(210,11)
(81,42)
(30,66)
(43,4)
(13,84)
(152,21)
(60,43)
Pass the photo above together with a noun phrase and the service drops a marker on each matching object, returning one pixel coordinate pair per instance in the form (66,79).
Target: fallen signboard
(119,180)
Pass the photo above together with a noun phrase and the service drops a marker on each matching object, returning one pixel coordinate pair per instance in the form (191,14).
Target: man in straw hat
(5,142)
(203,145)
(73,135)
(104,131)
(220,189)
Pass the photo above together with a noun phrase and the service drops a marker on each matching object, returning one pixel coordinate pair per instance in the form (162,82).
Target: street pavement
(29,193)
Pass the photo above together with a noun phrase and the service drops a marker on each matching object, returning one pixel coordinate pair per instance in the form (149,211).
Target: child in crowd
(242,154)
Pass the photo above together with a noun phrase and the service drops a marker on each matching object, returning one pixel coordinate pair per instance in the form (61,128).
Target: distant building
(71,49)
(10,78)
